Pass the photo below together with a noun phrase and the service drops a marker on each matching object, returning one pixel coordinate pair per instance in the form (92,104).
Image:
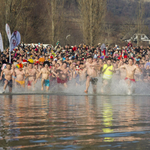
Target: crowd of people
(85,64)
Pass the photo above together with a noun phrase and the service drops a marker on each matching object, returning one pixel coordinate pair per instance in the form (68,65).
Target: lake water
(74,122)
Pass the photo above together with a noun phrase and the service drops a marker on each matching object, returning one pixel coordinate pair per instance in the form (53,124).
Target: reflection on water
(107,119)
(74,122)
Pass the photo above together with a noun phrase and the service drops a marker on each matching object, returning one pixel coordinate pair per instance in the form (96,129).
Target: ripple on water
(74,122)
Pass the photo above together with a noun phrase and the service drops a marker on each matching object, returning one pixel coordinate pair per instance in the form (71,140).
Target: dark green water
(70,122)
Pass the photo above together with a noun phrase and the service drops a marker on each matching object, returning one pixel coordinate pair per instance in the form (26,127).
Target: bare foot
(86,91)
(42,89)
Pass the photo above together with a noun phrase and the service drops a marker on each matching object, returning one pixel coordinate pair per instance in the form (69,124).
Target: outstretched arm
(121,67)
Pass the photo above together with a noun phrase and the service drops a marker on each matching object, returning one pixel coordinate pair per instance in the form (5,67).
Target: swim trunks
(10,84)
(22,83)
(29,83)
(133,80)
(87,75)
(47,83)
(61,81)
(94,81)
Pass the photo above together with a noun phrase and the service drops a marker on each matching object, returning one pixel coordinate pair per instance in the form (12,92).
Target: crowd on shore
(82,63)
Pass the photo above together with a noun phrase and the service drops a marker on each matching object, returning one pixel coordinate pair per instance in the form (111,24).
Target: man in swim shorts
(130,73)
(91,75)
(31,74)
(8,77)
(45,72)
(20,75)
(62,75)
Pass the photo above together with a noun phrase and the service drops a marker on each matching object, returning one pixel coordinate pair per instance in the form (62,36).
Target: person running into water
(107,72)
(62,75)
(45,72)
(8,73)
(20,75)
(31,75)
(91,75)
(130,73)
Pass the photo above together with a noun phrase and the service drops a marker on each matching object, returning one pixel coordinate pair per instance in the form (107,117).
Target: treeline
(88,21)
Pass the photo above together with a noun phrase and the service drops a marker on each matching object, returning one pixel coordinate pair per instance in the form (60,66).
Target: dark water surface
(74,122)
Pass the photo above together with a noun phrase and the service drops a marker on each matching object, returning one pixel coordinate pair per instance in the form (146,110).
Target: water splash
(117,87)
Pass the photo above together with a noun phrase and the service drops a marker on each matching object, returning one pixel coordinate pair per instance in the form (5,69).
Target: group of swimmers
(26,74)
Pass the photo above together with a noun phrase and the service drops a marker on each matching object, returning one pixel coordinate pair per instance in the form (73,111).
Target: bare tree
(15,13)
(140,20)
(55,10)
(92,14)
(109,29)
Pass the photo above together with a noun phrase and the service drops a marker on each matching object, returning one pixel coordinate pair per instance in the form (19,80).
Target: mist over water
(117,87)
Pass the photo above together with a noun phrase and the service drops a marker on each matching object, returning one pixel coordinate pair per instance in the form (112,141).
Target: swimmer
(20,75)
(62,75)
(130,73)
(107,71)
(7,78)
(45,72)
(91,75)
(31,75)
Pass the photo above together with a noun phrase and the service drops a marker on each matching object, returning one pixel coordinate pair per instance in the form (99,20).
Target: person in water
(8,74)
(62,75)
(20,75)
(91,75)
(107,72)
(130,73)
(45,72)
(31,75)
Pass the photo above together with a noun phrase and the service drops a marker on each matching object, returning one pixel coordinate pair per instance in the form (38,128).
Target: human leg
(42,84)
(5,85)
(87,84)
(47,84)
(94,84)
